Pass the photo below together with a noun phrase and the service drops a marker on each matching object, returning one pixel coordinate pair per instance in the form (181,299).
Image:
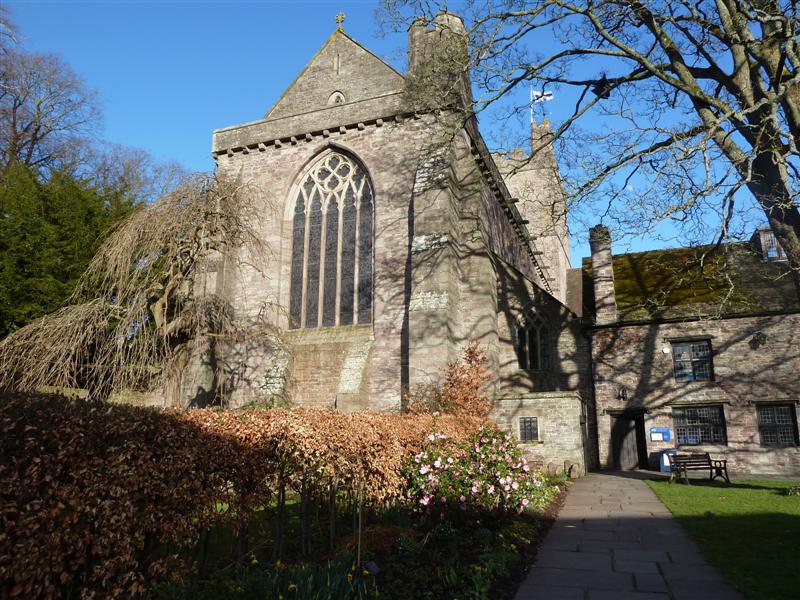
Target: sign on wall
(660,434)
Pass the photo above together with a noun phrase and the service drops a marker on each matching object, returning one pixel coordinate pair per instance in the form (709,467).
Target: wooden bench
(683,463)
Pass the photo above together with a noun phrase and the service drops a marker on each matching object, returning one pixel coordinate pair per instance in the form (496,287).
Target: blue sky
(168,73)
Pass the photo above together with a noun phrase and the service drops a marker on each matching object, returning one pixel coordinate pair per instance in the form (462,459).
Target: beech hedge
(101,500)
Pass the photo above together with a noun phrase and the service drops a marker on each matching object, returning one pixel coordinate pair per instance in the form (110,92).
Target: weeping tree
(150,306)
(678,111)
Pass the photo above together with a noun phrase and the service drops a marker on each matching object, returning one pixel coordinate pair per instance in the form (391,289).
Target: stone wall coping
(330,119)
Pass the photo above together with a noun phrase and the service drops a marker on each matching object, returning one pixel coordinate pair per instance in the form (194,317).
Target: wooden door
(625,449)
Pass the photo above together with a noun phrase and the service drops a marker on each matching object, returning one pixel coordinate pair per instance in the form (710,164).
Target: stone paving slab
(614,540)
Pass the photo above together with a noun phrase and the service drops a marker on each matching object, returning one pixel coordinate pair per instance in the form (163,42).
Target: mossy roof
(695,282)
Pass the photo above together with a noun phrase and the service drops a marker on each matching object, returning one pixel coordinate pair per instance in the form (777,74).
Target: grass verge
(749,530)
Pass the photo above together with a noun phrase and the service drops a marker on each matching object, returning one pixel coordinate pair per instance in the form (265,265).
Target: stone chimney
(605,302)
(438,61)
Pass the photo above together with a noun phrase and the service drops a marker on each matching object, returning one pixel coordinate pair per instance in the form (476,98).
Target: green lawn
(749,530)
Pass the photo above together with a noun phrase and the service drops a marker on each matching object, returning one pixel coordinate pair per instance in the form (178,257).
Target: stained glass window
(332,245)
(331,256)
(348,258)
(298,242)
(365,259)
(312,262)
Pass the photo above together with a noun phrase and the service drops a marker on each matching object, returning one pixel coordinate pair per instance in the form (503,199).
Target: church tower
(535,182)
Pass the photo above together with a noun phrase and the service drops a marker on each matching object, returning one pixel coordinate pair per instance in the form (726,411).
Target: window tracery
(332,245)
(533,343)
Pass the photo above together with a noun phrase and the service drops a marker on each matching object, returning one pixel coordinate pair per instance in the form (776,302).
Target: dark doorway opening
(628,442)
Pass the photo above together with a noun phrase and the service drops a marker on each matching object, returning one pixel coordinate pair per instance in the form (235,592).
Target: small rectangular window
(698,425)
(777,424)
(692,361)
(529,429)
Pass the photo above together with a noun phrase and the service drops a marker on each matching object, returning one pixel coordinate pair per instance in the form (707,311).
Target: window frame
(521,429)
(533,322)
(677,424)
(332,243)
(762,426)
(693,362)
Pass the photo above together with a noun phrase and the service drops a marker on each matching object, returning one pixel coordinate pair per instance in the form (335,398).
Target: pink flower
(423,469)
(437,463)
(462,499)
(525,502)
(443,499)
(431,437)
(515,485)
(436,413)
(491,489)
(526,468)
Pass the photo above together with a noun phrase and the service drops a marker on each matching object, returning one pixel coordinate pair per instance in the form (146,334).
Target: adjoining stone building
(396,236)
(697,350)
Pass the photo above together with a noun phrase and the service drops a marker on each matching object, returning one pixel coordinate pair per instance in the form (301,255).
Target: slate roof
(695,282)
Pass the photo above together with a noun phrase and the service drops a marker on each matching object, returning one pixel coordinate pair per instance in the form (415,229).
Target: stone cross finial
(339,20)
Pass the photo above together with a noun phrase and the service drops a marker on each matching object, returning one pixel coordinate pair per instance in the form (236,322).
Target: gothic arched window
(533,343)
(331,279)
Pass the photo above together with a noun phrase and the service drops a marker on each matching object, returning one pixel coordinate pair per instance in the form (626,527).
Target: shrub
(463,390)
(486,472)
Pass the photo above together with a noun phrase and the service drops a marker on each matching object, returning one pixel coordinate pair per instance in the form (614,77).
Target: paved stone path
(614,540)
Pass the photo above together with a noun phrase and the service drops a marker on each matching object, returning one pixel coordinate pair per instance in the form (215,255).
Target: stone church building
(395,236)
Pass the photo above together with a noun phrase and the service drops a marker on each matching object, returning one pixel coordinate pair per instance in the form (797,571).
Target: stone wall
(562,427)
(390,154)
(756,359)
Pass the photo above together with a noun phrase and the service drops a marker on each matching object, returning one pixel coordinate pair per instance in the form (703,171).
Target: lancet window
(332,245)
(533,344)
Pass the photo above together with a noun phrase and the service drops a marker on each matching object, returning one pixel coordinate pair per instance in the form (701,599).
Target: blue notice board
(660,434)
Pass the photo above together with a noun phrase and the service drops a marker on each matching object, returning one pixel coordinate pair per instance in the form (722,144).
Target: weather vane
(340,20)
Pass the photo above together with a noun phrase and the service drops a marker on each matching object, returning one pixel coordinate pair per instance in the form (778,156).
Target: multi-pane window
(533,344)
(529,429)
(692,360)
(698,425)
(332,238)
(777,424)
